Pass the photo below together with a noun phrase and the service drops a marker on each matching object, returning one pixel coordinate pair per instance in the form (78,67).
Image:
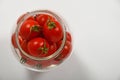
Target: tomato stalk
(44,49)
(51,25)
(35,28)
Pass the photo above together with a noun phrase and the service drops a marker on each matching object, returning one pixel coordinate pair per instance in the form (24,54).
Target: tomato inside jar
(41,40)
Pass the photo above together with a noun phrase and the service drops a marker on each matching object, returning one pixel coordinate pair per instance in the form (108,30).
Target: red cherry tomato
(65,52)
(30,29)
(52,31)
(43,18)
(38,47)
(30,18)
(14,40)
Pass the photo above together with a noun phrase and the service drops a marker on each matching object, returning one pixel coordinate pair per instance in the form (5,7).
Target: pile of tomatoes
(41,35)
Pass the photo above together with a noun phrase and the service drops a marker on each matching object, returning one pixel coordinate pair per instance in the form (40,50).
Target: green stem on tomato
(44,49)
(35,28)
(51,25)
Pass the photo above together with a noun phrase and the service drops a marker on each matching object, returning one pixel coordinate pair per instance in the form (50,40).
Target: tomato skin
(43,18)
(52,49)
(68,36)
(14,40)
(24,46)
(38,47)
(23,15)
(30,29)
(53,31)
(31,62)
(23,43)
(65,52)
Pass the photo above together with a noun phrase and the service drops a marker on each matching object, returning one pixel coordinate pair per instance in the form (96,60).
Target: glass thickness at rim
(32,13)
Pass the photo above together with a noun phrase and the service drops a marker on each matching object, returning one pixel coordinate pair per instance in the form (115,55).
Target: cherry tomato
(65,52)
(30,18)
(43,18)
(52,31)
(38,47)
(30,29)
(14,40)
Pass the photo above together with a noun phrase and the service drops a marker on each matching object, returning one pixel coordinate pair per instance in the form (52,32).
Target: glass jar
(41,64)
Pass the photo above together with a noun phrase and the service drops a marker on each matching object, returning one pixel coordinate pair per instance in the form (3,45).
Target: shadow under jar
(41,40)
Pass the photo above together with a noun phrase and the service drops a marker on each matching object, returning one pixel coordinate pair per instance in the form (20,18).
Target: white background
(96,29)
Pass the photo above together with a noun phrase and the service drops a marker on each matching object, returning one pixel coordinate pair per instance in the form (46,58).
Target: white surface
(96,28)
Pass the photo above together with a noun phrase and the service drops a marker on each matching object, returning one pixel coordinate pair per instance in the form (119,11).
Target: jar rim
(59,19)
